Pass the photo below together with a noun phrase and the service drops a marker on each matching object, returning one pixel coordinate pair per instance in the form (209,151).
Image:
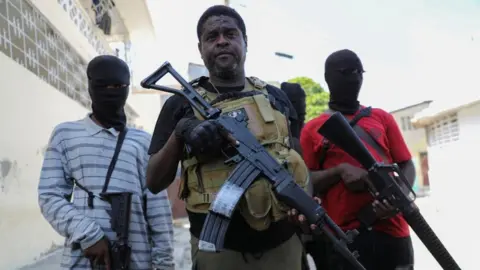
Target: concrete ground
(444,219)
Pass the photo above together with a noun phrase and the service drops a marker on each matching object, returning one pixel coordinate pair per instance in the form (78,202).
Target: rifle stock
(387,180)
(251,154)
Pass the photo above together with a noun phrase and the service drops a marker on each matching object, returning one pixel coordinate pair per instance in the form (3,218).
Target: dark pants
(377,250)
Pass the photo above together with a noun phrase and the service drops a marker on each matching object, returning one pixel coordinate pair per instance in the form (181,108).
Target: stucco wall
(453,166)
(30,108)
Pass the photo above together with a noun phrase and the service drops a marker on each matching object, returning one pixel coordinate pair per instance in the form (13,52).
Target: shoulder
(67,130)
(173,101)
(277,93)
(314,124)
(382,115)
(140,136)
(283,99)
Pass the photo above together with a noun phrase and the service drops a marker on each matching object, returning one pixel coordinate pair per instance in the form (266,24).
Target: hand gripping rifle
(387,179)
(252,162)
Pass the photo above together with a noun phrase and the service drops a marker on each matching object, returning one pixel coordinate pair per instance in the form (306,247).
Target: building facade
(416,139)
(453,132)
(45,46)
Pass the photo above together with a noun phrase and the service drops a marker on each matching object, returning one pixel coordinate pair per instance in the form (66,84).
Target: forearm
(69,222)
(53,190)
(163,165)
(323,180)
(159,217)
(408,170)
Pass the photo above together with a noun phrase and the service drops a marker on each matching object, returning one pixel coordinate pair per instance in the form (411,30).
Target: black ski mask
(344,76)
(297,97)
(108,81)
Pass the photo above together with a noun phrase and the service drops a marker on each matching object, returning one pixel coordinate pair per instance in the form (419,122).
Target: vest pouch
(299,171)
(204,181)
(256,204)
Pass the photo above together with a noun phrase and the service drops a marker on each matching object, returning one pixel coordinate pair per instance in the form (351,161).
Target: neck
(92,116)
(238,80)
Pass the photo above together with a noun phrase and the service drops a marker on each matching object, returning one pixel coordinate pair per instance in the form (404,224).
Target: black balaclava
(108,102)
(344,76)
(297,97)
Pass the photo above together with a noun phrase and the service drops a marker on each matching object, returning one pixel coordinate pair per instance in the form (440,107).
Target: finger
(318,200)
(371,187)
(106,259)
(380,206)
(231,140)
(375,206)
(313,227)
(96,260)
(388,206)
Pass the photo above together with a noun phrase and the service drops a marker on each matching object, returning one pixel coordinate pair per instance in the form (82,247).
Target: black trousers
(377,250)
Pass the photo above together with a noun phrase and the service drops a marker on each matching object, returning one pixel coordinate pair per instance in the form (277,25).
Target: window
(443,131)
(409,123)
(404,124)
(27,37)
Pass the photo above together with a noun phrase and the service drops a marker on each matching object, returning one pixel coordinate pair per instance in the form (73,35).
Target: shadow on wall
(8,174)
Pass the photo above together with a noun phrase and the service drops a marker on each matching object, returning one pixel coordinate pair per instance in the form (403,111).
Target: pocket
(256,204)
(204,181)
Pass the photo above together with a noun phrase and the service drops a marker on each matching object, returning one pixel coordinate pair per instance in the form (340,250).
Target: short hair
(219,10)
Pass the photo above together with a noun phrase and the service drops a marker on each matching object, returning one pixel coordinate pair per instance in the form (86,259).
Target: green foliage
(317,97)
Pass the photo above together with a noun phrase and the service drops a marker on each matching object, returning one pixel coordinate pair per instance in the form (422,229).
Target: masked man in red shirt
(384,242)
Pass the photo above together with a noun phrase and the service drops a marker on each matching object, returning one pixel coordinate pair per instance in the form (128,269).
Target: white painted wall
(453,167)
(29,110)
(148,106)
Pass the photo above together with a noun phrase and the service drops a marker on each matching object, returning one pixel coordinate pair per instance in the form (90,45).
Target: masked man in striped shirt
(75,175)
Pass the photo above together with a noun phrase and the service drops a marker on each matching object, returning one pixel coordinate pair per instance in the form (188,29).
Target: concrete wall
(453,166)
(29,109)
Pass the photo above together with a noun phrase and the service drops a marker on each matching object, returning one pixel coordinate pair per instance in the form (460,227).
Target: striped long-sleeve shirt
(81,151)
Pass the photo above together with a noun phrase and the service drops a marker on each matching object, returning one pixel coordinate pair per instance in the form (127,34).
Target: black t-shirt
(240,236)
(176,107)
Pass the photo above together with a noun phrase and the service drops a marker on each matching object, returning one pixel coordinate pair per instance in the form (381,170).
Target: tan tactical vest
(259,206)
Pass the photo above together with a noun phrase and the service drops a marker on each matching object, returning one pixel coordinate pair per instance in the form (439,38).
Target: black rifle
(387,180)
(252,162)
(120,219)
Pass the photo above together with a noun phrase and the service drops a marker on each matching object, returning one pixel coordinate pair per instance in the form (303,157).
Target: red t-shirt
(341,204)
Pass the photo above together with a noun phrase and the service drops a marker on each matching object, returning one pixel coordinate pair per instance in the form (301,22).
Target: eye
(231,34)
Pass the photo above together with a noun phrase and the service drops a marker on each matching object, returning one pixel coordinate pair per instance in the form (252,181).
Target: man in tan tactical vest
(259,236)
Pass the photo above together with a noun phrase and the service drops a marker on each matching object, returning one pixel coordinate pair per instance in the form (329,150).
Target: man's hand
(383,209)
(98,254)
(354,178)
(203,136)
(300,220)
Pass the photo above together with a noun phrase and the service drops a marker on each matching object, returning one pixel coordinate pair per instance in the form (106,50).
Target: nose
(222,41)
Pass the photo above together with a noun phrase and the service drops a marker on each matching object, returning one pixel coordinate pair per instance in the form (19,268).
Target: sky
(412,50)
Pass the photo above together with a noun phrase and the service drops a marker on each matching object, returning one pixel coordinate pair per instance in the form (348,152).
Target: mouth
(224,54)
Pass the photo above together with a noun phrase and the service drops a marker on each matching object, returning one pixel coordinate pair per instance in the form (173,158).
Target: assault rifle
(120,219)
(252,161)
(387,181)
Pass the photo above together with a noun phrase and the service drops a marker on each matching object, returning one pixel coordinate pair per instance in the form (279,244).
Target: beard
(225,73)
(225,70)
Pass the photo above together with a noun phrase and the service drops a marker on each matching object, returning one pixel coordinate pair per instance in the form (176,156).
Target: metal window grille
(443,131)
